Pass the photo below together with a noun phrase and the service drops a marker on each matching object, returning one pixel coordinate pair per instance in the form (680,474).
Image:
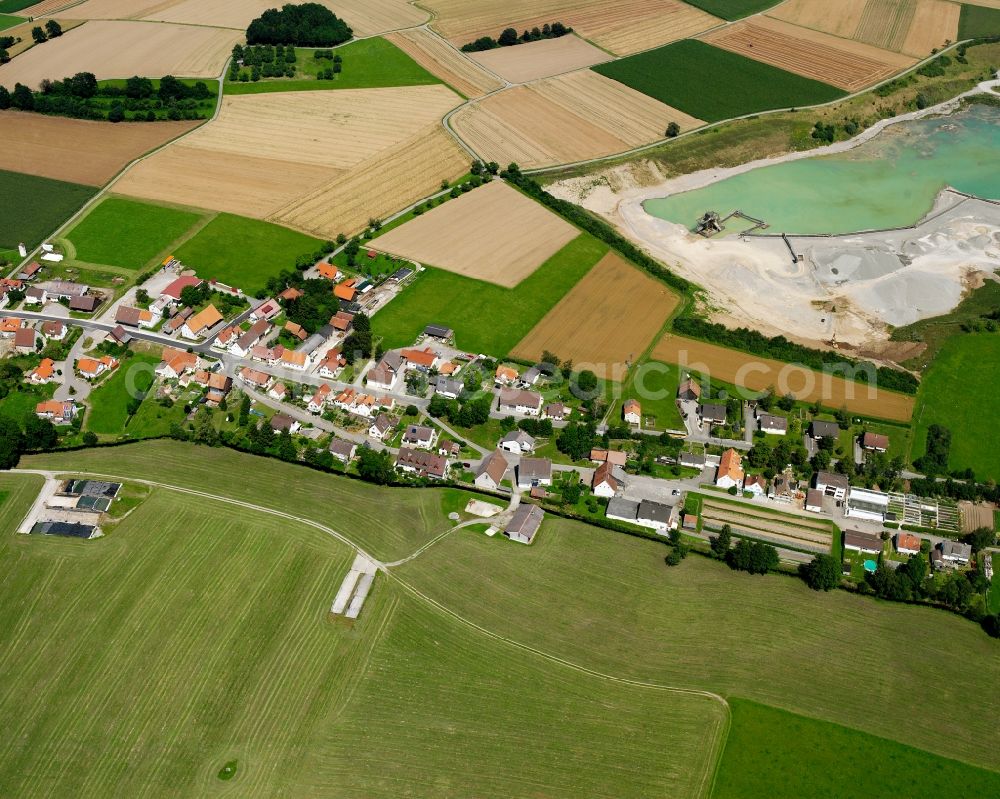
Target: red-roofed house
(174,289)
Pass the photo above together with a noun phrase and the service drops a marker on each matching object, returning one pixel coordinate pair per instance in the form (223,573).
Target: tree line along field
(483,321)
(36,206)
(679,73)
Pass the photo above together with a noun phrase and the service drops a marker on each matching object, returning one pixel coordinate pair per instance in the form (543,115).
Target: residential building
(382,428)
(252,377)
(875,442)
(342,450)
(386,373)
(857,541)
(449,449)
(692,460)
(226,337)
(327,270)
(342,321)
(632,412)
(266,311)
(517,441)
(135,317)
(555,411)
(756,485)
(814,500)
(9,325)
(118,335)
(282,422)
(505,376)
(712,413)
(604,483)
(278,391)
(242,346)
(530,377)
(177,321)
(291,294)
(832,484)
(907,543)
(296,330)
(526,403)
(420,359)
(319,399)
(533,472)
(89,368)
(819,429)
(332,364)
(491,471)
(35,295)
(25,339)
(772,424)
(419,436)
(689,390)
(219,385)
(199,324)
(174,363)
(615,457)
(655,515)
(955,553)
(421,463)
(730,472)
(268,355)
(293,359)
(56,412)
(524,524)
(43,373)
(345,291)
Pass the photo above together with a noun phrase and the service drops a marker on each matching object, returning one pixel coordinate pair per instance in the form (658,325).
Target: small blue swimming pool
(870,565)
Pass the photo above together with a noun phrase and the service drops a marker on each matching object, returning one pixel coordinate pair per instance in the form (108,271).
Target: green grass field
(774,754)
(108,402)
(682,74)
(19,403)
(36,206)
(732,9)
(485,317)
(126,233)
(194,636)
(959,391)
(244,252)
(9,21)
(368,64)
(655,386)
(978,21)
(11,6)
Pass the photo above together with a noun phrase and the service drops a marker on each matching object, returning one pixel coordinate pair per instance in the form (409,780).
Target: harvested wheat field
(441,59)
(847,64)
(565,119)
(934,23)
(78,150)
(120,49)
(623,27)
(366,17)
(393,179)
(266,151)
(608,318)
(106,9)
(759,374)
(540,59)
(493,233)
(47,7)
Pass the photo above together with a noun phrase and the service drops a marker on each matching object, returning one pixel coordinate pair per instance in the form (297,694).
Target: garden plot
(540,59)
(850,65)
(608,318)
(780,530)
(120,49)
(564,119)
(623,27)
(443,60)
(493,233)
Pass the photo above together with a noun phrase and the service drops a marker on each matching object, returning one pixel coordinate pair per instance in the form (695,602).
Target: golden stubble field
(760,374)
(564,119)
(493,233)
(622,27)
(440,58)
(606,319)
(78,150)
(267,151)
(541,59)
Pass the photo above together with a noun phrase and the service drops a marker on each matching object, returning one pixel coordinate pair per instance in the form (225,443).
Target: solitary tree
(53,29)
(822,573)
(673,129)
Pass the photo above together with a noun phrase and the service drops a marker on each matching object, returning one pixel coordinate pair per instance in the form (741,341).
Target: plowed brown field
(564,119)
(759,374)
(78,150)
(851,65)
(608,318)
(622,27)
(541,59)
(493,233)
(440,58)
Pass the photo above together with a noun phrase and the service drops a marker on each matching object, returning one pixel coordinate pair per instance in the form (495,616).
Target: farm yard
(676,75)
(285,146)
(78,150)
(622,28)
(847,64)
(441,59)
(607,319)
(764,524)
(42,205)
(564,119)
(493,233)
(540,59)
(759,374)
(483,321)
(120,49)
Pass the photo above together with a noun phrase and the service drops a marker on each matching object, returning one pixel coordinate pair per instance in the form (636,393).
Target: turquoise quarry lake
(889,181)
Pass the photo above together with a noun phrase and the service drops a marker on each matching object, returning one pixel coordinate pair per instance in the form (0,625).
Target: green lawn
(485,317)
(244,252)
(22,401)
(368,64)
(774,754)
(9,21)
(126,233)
(978,21)
(732,9)
(655,386)
(959,391)
(35,207)
(108,402)
(714,84)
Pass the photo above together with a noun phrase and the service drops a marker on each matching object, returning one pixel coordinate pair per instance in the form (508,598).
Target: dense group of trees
(509,37)
(934,461)
(6,42)
(305,25)
(577,440)
(315,307)
(29,434)
(754,557)
(466,412)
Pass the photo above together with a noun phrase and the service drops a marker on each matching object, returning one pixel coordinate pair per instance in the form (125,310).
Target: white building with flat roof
(865,504)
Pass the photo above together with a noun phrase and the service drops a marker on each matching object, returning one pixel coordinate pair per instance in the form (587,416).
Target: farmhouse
(524,524)
(730,472)
(135,317)
(219,386)
(173,289)
(35,296)
(527,403)
(491,471)
(605,483)
(689,391)
(56,412)
(832,484)
(772,425)
(870,505)
(241,346)
(64,289)
(819,429)
(87,303)
(712,413)
(29,272)
(517,441)
(176,322)
(385,373)
(342,450)
(866,543)
(382,427)
(907,543)
(200,323)
(291,294)
(533,472)
(622,510)
(419,436)
(42,373)
(423,464)
(295,329)
(254,378)
(632,412)
(293,359)
(345,291)
(655,515)
(342,321)
(875,442)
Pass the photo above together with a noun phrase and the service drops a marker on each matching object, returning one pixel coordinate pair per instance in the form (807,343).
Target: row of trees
(305,25)
(509,37)
(6,42)
(52,30)
(934,461)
